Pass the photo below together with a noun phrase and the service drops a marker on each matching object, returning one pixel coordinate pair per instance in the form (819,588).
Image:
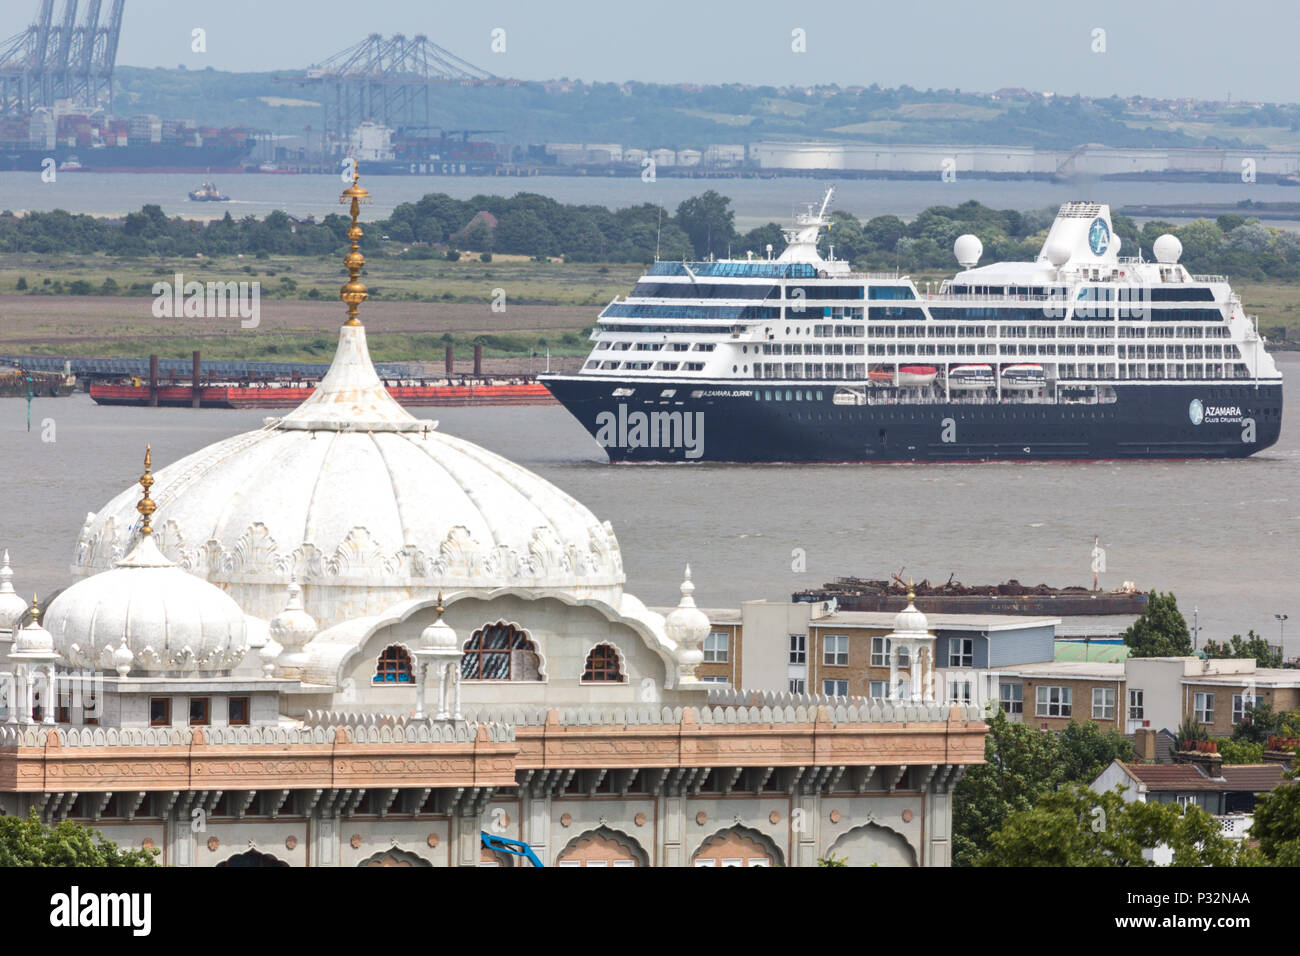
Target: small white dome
(170,621)
(440,636)
(968,250)
(1058,253)
(910,621)
(12,607)
(1168,248)
(34,640)
(687,626)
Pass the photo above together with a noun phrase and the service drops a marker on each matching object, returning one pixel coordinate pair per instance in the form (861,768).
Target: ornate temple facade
(348,638)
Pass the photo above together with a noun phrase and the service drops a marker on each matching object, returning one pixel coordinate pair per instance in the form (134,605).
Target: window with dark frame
(798,648)
(603,665)
(160,711)
(500,652)
(238,711)
(393,666)
(200,711)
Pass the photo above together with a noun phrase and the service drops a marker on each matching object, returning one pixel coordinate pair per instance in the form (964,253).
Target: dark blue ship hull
(733,421)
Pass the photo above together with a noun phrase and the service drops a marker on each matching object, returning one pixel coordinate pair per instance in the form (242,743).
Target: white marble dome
(364,505)
(172,622)
(910,621)
(12,607)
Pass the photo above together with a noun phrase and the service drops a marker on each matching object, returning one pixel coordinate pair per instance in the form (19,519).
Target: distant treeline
(677,116)
(440,227)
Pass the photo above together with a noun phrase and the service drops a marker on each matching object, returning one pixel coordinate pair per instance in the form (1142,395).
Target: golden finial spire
(36,611)
(911,592)
(440,608)
(354,293)
(146,507)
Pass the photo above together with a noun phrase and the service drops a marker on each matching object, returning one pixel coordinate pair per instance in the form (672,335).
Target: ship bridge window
(626,310)
(890,292)
(703,290)
(602,345)
(704,346)
(824,292)
(1186,315)
(1182,294)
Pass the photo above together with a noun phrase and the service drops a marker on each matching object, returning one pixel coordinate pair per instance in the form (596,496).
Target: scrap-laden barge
(292,394)
(1011,597)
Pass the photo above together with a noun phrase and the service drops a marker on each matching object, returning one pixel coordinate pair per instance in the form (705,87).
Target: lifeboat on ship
(882,375)
(917,375)
(971,376)
(1023,376)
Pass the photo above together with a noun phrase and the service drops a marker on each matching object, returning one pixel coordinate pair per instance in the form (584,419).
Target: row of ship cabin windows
(500,652)
(932,330)
(853,371)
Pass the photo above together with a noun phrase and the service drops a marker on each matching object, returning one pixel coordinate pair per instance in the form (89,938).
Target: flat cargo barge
(855,594)
(290,395)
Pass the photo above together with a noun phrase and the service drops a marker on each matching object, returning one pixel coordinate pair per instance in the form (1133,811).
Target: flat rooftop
(1071,670)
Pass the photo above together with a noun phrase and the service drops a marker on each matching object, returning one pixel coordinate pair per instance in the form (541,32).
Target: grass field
(417,308)
(524,281)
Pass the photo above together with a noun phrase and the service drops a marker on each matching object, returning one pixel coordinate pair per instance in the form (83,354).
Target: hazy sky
(1154,47)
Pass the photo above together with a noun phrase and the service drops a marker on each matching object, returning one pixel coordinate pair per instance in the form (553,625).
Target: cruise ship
(1081,354)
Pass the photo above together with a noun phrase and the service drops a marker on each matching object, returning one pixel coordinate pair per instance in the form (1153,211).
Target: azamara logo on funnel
(632,430)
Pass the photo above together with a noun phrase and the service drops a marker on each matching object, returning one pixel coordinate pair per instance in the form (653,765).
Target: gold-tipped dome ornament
(354,292)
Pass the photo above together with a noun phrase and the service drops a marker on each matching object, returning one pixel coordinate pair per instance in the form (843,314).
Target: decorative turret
(12,607)
(687,626)
(292,629)
(439,646)
(33,642)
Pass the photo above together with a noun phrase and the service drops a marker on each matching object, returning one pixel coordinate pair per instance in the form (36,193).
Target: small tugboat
(72,165)
(208,193)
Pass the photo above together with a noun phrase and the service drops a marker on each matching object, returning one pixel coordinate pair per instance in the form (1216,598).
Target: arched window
(603,665)
(500,651)
(394,666)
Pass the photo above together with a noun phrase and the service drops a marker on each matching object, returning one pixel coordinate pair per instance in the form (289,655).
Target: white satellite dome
(362,504)
(910,621)
(12,607)
(1058,253)
(169,621)
(968,250)
(1168,249)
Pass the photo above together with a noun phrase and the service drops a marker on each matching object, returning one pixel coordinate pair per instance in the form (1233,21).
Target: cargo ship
(1011,597)
(100,143)
(292,394)
(1082,354)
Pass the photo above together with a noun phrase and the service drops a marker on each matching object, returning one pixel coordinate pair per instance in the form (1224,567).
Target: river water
(1222,535)
(756,201)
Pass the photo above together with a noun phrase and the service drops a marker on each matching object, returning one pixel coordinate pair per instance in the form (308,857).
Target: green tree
(1252,646)
(1021,765)
(1077,826)
(709,222)
(25,841)
(1239,751)
(1160,630)
(1087,750)
(1277,824)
